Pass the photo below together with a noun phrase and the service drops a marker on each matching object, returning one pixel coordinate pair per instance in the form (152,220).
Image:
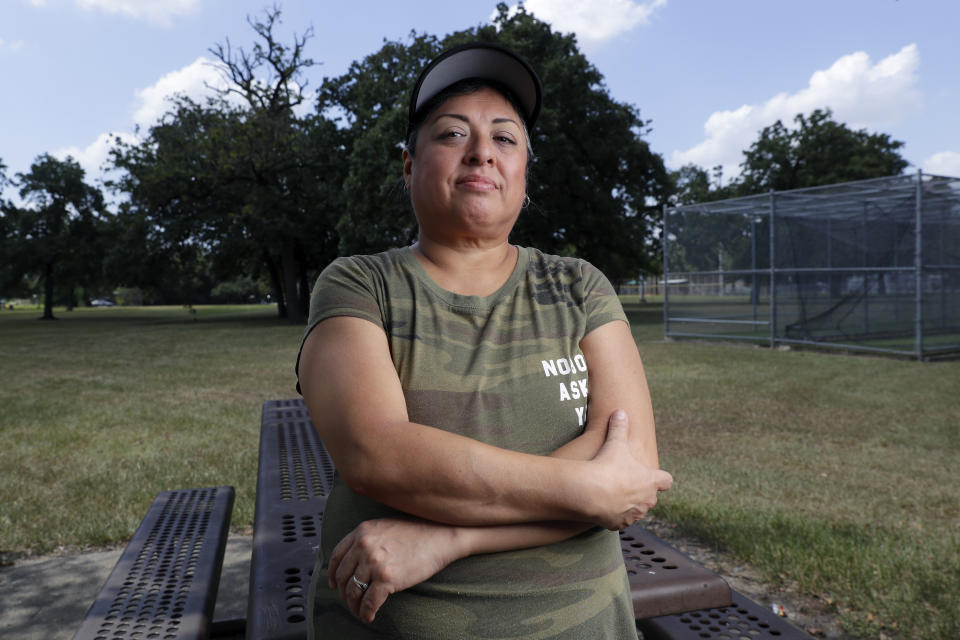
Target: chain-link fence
(872,265)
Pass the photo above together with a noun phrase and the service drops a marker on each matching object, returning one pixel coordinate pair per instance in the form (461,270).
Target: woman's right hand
(628,488)
(389,555)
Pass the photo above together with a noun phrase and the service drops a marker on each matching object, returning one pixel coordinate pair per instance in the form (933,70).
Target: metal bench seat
(165,583)
(294,479)
(742,620)
(663,580)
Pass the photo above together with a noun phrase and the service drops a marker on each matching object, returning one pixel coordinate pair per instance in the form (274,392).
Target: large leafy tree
(56,234)
(709,241)
(817,151)
(595,185)
(163,232)
(257,189)
(370,101)
(10,277)
(289,165)
(691,184)
(247,189)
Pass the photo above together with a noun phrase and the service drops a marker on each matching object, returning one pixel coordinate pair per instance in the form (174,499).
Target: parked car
(100,302)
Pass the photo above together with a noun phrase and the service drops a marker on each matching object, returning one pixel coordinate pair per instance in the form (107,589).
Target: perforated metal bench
(663,580)
(294,478)
(165,583)
(742,620)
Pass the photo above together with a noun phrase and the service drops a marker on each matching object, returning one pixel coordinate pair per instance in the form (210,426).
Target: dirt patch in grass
(816,616)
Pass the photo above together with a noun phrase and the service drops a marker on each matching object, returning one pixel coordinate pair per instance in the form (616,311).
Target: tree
(691,184)
(259,191)
(370,101)
(709,241)
(156,259)
(9,277)
(249,189)
(595,185)
(290,165)
(164,231)
(818,151)
(56,234)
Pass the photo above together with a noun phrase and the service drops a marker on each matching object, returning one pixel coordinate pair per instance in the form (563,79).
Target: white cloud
(860,94)
(156,11)
(152,103)
(944,163)
(594,22)
(193,81)
(93,157)
(15,45)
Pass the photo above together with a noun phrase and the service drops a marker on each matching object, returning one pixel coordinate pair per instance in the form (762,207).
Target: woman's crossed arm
(356,402)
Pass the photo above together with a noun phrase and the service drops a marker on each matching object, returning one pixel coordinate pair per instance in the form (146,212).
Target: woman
(476,496)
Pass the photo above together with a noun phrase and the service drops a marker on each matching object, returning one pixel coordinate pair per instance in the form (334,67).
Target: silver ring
(363,586)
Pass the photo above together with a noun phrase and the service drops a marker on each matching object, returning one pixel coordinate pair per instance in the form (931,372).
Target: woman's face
(468,178)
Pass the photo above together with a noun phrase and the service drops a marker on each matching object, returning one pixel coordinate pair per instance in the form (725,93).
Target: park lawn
(103,408)
(835,473)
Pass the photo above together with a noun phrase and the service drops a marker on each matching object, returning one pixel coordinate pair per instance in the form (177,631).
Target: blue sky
(708,73)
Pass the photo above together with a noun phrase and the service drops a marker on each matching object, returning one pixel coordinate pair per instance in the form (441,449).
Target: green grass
(102,409)
(834,473)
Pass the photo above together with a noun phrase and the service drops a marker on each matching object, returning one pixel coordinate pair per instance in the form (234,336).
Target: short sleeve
(347,287)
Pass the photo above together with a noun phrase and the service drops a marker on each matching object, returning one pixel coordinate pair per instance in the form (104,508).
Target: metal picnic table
(296,475)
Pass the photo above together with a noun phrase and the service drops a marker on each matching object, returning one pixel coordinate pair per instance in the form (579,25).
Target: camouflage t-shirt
(505,369)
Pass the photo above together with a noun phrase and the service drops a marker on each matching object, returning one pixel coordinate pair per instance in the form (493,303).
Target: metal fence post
(773,272)
(754,294)
(918,269)
(666,277)
(866,274)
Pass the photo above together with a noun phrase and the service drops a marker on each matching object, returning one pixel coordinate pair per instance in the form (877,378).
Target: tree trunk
(304,283)
(48,292)
(295,312)
(276,287)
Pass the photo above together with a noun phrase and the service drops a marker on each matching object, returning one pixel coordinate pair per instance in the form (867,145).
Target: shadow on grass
(645,314)
(259,316)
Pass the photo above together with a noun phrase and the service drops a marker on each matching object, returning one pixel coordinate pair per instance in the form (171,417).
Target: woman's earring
(526,202)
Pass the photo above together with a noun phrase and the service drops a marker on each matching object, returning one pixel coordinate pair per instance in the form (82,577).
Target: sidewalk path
(47,598)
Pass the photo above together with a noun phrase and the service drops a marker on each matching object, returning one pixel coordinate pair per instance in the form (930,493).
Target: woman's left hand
(389,555)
